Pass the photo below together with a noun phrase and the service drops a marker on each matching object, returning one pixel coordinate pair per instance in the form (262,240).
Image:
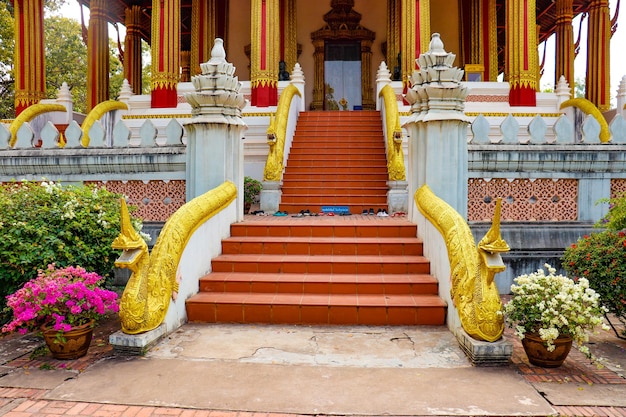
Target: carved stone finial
(436,45)
(218,53)
(64,92)
(126,92)
(383,74)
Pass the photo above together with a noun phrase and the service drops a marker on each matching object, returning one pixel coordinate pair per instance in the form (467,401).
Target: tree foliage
(6,61)
(66,59)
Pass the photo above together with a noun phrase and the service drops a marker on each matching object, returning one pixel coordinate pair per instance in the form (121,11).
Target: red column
(29,67)
(265,52)
(521,48)
(565,42)
(97,55)
(132,46)
(598,57)
(165,52)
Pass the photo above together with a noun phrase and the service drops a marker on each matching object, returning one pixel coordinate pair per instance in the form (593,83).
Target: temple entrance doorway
(343,61)
(342,76)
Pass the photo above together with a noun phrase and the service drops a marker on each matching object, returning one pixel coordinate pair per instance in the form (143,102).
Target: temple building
(338,43)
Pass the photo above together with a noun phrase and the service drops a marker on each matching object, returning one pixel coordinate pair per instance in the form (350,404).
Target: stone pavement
(288,371)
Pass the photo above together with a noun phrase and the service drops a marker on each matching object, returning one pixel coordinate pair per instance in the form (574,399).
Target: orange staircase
(357,269)
(336,159)
(320,270)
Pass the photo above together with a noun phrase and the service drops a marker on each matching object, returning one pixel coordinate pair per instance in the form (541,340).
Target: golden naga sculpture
(395,154)
(29,114)
(276,133)
(96,113)
(154,279)
(472,268)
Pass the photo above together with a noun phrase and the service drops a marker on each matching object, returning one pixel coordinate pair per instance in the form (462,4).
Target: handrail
(96,113)
(277,133)
(153,283)
(395,154)
(29,114)
(472,267)
(588,107)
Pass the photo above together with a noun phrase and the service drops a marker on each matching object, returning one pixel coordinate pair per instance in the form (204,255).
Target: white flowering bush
(552,306)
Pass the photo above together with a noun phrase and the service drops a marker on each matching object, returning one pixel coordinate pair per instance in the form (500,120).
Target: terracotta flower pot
(539,355)
(76,344)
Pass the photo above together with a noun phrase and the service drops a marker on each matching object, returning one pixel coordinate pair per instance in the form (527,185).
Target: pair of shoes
(366,212)
(280,214)
(258,213)
(382,213)
(330,214)
(305,212)
(398,214)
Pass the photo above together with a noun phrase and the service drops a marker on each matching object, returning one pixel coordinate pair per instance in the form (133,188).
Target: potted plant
(64,304)
(601,258)
(550,313)
(251,192)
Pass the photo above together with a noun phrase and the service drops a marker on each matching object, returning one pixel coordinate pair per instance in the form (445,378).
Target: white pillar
(214,142)
(437,128)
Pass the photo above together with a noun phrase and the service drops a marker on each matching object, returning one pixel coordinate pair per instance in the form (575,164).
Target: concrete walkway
(241,371)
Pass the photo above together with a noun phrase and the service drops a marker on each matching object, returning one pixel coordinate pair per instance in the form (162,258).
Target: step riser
(320,182)
(322,248)
(330,315)
(314,230)
(326,266)
(319,201)
(316,288)
(344,178)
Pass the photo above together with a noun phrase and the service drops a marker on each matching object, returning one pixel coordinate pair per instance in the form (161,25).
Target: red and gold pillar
(30,65)
(489,30)
(165,52)
(598,58)
(521,52)
(415,34)
(132,48)
(564,65)
(97,55)
(265,52)
(203,32)
(393,40)
(288,34)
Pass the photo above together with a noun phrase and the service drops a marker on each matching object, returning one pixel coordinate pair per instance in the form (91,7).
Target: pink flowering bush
(60,298)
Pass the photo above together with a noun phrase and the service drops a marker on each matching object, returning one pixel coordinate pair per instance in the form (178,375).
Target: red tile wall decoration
(156,200)
(523,199)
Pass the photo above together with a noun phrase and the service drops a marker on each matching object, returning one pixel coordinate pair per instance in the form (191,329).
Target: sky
(618,57)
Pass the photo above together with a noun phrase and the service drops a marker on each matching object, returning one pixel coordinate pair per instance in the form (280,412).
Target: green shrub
(601,258)
(251,190)
(47,223)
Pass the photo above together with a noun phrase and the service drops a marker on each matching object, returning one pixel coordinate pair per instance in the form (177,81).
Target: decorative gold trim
(165,77)
(276,133)
(395,154)
(472,268)
(588,107)
(96,113)
(29,56)
(496,114)
(185,116)
(521,41)
(154,280)
(29,114)
(424,22)
(408,40)
(291,35)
